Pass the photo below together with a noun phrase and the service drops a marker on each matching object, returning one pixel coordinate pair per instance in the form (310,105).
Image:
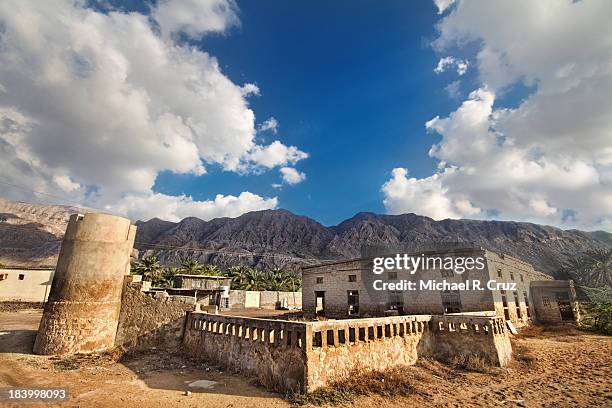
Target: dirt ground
(555,368)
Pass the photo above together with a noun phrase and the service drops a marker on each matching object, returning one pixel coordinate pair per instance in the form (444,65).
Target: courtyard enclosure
(304,356)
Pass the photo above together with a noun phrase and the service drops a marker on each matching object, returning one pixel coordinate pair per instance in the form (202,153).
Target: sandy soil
(560,368)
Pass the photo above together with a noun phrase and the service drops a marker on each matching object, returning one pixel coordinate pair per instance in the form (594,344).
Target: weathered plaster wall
(146,322)
(34,287)
(471,336)
(340,348)
(267,299)
(273,351)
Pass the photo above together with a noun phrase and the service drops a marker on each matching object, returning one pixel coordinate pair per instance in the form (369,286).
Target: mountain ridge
(35,232)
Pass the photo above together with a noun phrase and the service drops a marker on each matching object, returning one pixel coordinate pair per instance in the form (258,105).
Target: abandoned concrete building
(205,289)
(342,290)
(95,305)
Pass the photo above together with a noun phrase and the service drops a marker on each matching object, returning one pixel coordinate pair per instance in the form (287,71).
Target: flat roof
(28,268)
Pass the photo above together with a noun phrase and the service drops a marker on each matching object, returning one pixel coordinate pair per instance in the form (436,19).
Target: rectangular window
(521,276)
(352,278)
(319,279)
(499,272)
(546,301)
(3,276)
(353,302)
(21,276)
(512,276)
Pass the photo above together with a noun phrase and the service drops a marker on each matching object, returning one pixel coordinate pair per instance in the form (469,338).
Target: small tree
(148,267)
(166,279)
(211,270)
(192,267)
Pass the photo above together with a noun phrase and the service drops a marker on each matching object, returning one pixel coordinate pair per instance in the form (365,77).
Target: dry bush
(396,381)
(471,363)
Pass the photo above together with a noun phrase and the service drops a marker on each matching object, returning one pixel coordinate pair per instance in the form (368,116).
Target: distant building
(343,290)
(205,289)
(25,283)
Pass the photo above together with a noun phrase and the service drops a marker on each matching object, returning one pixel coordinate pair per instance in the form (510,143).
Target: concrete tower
(83,308)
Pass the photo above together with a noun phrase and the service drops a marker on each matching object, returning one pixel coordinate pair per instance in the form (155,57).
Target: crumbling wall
(273,351)
(341,347)
(146,322)
(464,336)
(289,356)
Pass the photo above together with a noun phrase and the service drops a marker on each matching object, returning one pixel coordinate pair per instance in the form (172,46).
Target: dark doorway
(320,303)
(565,306)
(451,301)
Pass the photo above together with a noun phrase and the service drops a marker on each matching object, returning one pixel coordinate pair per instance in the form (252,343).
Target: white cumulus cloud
(175,208)
(93,106)
(291,175)
(547,159)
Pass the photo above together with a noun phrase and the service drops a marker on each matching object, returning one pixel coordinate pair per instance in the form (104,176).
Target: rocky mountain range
(31,234)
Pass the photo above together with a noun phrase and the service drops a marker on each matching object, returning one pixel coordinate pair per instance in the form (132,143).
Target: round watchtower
(82,312)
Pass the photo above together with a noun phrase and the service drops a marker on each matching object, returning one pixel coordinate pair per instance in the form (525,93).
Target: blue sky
(448,109)
(349,83)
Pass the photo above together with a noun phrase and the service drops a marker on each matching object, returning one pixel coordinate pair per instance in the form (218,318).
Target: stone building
(25,284)
(343,289)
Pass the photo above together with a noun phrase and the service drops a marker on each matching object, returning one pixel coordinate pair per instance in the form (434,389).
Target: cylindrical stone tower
(82,312)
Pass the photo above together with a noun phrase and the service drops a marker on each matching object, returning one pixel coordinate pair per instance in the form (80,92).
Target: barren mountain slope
(31,234)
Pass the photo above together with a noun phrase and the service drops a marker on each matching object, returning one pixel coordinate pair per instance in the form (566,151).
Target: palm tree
(192,267)
(254,280)
(148,267)
(273,279)
(211,270)
(291,282)
(239,275)
(166,279)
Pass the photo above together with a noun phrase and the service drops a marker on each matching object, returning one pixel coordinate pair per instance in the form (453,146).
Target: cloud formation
(94,105)
(270,124)
(447,62)
(546,160)
(291,175)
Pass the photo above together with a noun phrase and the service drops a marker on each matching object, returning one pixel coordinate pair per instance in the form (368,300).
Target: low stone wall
(273,351)
(305,356)
(485,337)
(146,322)
(341,347)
